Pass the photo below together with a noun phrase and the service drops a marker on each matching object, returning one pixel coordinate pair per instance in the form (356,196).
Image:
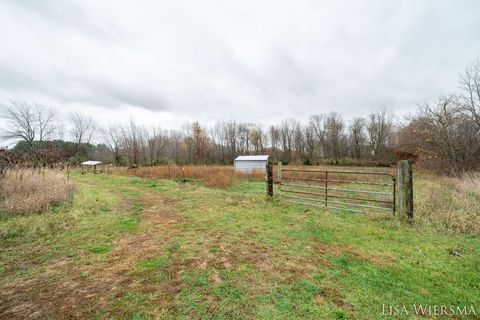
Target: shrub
(28,190)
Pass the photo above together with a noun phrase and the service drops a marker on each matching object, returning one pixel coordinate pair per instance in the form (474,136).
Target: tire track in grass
(64,289)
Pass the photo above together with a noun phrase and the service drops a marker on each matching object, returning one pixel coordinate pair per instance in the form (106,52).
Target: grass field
(133,248)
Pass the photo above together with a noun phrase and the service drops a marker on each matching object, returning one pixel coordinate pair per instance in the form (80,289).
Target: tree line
(444,136)
(323,137)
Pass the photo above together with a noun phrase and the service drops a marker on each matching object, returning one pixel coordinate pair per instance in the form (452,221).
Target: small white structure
(251,163)
(92,164)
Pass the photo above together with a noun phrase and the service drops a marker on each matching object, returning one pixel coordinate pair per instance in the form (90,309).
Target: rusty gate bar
(342,172)
(336,189)
(330,207)
(346,203)
(337,196)
(338,181)
(306,194)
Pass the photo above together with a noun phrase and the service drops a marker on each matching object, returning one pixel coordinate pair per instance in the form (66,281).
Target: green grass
(98,248)
(232,254)
(152,264)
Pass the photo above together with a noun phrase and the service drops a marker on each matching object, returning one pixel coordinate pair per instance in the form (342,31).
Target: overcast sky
(167,62)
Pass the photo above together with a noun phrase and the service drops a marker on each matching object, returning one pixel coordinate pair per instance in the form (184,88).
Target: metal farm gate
(355,191)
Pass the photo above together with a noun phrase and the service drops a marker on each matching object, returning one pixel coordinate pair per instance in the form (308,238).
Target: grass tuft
(150,264)
(98,248)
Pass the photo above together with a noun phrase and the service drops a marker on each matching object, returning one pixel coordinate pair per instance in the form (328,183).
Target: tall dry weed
(449,203)
(28,190)
(220,180)
(469,183)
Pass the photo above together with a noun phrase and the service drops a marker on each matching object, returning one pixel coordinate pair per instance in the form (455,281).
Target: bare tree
(232,139)
(257,138)
(45,120)
(200,142)
(274,137)
(83,128)
(220,139)
(243,133)
(112,138)
(470,82)
(27,121)
(334,135)
(316,124)
(379,129)
(143,146)
(310,144)
(357,137)
(286,133)
(299,144)
(445,137)
(131,136)
(156,142)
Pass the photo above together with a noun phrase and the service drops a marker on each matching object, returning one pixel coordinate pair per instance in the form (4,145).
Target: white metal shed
(250,163)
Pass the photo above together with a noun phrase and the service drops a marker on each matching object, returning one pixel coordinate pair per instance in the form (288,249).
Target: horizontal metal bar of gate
(338,181)
(320,205)
(337,196)
(341,172)
(336,189)
(338,202)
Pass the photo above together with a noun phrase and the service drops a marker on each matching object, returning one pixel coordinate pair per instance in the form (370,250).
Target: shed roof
(254,158)
(91,163)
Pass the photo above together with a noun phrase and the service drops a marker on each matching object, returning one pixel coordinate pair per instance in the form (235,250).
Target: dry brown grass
(214,176)
(469,183)
(449,203)
(220,180)
(27,190)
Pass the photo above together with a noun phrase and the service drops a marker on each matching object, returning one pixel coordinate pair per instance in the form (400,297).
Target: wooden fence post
(405,188)
(269,180)
(279,173)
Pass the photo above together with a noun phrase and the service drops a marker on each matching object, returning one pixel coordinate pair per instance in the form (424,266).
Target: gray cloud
(250,61)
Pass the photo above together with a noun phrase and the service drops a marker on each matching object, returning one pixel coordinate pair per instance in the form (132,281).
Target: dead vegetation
(30,190)
(451,203)
(220,180)
(469,183)
(214,176)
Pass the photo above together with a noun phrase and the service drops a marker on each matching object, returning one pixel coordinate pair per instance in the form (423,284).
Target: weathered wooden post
(269,180)
(279,178)
(279,173)
(405,188)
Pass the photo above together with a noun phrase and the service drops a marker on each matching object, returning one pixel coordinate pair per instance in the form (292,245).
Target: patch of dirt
(333,295)
(64,290)
(215,252)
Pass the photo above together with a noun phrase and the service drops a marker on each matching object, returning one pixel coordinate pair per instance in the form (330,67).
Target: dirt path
(64,290)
